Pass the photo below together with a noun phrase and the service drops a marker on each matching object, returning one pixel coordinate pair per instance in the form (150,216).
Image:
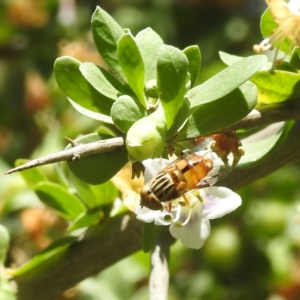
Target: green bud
(146,138)
(151,89)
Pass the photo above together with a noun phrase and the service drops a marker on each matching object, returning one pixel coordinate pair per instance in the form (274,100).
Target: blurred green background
(252,253)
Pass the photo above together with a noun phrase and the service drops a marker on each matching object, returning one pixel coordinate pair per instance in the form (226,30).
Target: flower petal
(145,214)
(194,234)
(161,218)
(279,9)
(219,201)
(153,166)
(294,7)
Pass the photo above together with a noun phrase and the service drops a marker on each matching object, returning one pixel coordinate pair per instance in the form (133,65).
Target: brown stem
(120,237)
(269,114)
(109,242)
(258,117)
(76,152)
(102,246)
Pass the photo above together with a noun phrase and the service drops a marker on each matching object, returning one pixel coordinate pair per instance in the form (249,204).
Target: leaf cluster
(148,93)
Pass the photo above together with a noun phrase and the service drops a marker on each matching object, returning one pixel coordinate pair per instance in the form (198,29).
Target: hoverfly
(192,170)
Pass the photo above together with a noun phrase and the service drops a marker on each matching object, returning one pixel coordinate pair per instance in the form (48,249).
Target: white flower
(287,16)
(189,223)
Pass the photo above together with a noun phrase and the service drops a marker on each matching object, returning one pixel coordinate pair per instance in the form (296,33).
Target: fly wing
(203,144)
(224,171)
(210,180)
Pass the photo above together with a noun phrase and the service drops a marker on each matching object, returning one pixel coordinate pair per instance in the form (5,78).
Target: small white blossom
(189,223)
(287,16)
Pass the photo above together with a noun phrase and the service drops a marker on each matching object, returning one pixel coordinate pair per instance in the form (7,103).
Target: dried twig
(258,117)
(78,151)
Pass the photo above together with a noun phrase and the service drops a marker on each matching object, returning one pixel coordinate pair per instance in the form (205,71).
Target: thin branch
(76,152)
(269,114)
(258,117)
(102,246)
(111,241)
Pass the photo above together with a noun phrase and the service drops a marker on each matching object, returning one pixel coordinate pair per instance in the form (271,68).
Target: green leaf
(107,33)
(102,81)
(181,118)
(91,114)
(60,199)
(98,168)
(126,111)
(84,191)
(193,55)
(295,59)
(273,87)
(105,193)
(132,64)
(151,233)
(172,67)
(78,89)
(95,195)
(149,43)
(86,219)
(230,59)
(221,113)
(225,82)
(108,130)
(258,149)
(31,176)
(277,87)
(46,259)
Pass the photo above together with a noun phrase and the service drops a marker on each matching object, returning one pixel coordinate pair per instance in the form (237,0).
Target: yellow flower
(287,16)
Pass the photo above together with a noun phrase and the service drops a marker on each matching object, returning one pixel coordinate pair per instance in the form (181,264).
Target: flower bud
(145,139)
(151,89)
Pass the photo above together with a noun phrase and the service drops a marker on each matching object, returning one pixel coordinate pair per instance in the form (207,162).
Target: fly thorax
(163,187)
